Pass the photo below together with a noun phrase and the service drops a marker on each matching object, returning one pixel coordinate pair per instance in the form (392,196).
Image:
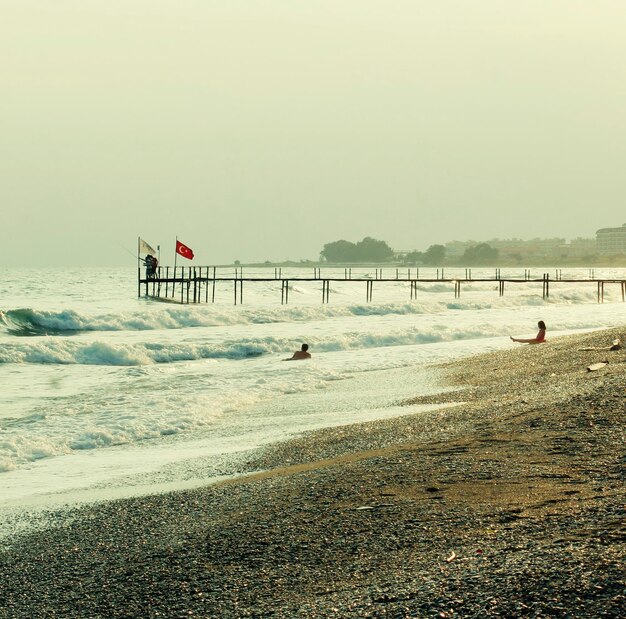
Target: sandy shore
(507,503)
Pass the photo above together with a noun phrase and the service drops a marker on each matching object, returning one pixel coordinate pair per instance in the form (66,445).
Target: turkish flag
(184,251)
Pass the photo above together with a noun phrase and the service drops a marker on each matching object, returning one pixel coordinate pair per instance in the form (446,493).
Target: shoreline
(510,503)
(194,468)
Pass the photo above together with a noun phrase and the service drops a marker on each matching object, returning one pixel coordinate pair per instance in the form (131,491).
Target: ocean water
(104,394)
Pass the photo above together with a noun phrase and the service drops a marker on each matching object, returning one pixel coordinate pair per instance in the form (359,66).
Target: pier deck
(198,284)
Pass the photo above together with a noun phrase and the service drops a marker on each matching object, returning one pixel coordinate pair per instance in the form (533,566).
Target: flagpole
(138,267)
(174,282)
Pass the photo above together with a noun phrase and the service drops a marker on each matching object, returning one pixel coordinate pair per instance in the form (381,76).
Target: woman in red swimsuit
(539,339)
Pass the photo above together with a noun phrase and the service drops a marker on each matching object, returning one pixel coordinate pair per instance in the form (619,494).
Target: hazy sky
(262,129)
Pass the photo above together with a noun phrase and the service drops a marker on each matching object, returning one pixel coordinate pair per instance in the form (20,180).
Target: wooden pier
(198,284)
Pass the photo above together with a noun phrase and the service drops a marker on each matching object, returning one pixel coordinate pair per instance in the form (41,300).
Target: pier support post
(546,285)
(325,290)
(284,292)
(238,283)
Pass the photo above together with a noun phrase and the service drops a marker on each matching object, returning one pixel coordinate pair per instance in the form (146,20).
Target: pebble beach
(506,501)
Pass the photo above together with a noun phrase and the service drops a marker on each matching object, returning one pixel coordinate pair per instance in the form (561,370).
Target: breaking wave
(25,322)
(77,351)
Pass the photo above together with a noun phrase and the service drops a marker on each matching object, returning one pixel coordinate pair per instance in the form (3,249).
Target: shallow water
(104,394)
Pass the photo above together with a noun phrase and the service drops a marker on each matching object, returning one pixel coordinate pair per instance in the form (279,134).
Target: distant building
(519,249)
(534,248)
(611,241)
(579,248)
(455,249)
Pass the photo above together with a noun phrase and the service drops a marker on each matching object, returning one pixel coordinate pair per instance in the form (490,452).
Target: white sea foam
(29,321)
(380,329)
(76,351)
(192,400)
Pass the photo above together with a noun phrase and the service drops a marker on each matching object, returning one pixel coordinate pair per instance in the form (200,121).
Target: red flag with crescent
(184,251)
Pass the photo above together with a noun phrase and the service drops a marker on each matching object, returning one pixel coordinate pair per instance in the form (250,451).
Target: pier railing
(197,284)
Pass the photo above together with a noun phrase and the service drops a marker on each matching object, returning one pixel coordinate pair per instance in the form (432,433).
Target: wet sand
(508,502)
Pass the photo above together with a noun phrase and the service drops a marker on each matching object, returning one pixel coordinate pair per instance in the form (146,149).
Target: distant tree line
(367,250)
(373,250)
(482,254)
(435,254)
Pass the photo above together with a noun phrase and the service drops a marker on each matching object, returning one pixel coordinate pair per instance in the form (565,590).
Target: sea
(104,394)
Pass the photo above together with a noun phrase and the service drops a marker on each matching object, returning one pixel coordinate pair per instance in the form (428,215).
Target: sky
(262,129)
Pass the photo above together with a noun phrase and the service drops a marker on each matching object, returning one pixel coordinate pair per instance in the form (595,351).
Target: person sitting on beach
(540,338)
(300,354)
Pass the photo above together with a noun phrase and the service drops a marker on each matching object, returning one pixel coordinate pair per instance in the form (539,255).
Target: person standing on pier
(540,338)
(151,266)
(300,354)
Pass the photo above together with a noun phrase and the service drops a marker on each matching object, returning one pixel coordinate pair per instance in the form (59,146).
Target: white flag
(144,248)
